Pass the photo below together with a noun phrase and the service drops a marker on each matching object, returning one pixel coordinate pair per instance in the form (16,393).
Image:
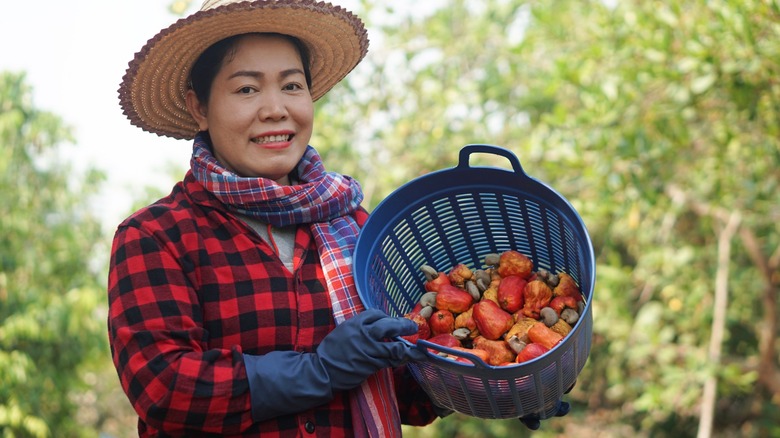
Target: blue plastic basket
(459,215)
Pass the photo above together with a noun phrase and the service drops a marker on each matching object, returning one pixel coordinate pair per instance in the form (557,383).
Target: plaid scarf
(325,201)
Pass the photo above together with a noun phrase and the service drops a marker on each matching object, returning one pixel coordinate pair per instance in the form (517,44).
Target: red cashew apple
(454,299)
(531,351)
(423,329)
(539,333)
(442,321)
(510,293)
(537,295)
(492,321)
(514,263)
(500,352)
(435,284)
(459,274)
(445,340)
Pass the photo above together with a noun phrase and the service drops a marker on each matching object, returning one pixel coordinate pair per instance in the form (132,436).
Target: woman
(232,307)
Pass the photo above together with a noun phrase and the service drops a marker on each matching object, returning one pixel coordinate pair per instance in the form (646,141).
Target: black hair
(208,64)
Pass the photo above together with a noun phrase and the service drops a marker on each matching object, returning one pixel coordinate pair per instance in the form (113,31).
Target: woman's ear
(197,110)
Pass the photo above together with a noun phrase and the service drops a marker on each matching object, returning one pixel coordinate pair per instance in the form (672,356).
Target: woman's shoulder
(186,200)
(165,205)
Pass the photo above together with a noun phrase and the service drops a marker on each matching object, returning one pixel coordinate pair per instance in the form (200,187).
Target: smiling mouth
(272,139)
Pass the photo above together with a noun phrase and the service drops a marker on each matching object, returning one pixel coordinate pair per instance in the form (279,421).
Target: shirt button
(309,427)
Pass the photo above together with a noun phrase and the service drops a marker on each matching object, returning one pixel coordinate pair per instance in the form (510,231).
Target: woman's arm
(159,346)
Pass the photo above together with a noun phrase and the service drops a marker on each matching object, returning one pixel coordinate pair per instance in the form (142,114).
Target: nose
(272,107)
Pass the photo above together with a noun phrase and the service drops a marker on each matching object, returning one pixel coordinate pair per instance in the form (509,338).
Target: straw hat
(152,91)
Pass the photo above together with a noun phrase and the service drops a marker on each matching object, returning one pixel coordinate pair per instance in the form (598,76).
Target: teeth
(271,138)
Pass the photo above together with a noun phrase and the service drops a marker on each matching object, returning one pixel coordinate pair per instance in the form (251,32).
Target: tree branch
(768,374)
(718,323)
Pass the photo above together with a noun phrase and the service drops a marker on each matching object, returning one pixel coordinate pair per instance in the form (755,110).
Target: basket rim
(407,198)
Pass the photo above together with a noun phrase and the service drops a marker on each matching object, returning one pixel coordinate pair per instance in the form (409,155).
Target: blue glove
(533,422)
(283,382)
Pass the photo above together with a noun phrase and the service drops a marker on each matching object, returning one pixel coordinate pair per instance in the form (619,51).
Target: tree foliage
(52,329)
(659,121)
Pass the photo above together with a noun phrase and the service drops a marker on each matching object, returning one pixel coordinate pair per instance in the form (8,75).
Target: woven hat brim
(152,91)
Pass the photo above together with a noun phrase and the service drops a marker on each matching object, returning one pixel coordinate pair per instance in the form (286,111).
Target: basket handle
(465,155)
(433,349)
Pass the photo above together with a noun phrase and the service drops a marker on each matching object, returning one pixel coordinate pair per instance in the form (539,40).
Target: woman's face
(260,112)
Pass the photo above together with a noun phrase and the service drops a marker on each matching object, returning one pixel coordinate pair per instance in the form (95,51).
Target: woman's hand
(283,382)
(364,344)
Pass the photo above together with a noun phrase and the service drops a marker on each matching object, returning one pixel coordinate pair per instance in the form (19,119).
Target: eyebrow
(258,75)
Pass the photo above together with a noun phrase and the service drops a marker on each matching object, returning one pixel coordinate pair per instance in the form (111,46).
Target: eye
(246,90)
(293,86)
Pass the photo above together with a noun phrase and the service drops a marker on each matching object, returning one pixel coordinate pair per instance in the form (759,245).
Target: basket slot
(470,402)
(494,219)
(548,385)
(583,340)
(475,228)
(429,229)
(560,246)
(573,264)
(384,301)
(401,291)
(514,216)
(516,398)
(447,394)
(540,234)
(448,218)
(404,255)
(492,401)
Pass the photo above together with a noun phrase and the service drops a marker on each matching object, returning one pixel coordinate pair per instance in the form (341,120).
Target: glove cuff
(285,382)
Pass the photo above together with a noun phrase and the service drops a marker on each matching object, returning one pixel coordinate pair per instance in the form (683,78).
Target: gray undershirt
(284,237)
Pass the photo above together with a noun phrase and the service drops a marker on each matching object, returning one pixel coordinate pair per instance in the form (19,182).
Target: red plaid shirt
(191,288)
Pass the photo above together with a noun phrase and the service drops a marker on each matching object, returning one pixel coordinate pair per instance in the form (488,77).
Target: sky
(74,54)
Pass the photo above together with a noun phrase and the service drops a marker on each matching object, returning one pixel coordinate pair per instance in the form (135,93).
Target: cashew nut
(428,299)
(516,344)
(482,278)
(548,316)
(430,273)
(492,259)
(461,334)
(472,289)
(548,277)
(426,312)
(570,316)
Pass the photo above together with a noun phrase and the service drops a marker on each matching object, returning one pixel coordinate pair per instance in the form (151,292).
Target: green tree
(659,120)
(52,306)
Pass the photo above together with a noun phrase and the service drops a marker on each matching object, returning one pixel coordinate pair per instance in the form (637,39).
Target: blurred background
(658,120)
